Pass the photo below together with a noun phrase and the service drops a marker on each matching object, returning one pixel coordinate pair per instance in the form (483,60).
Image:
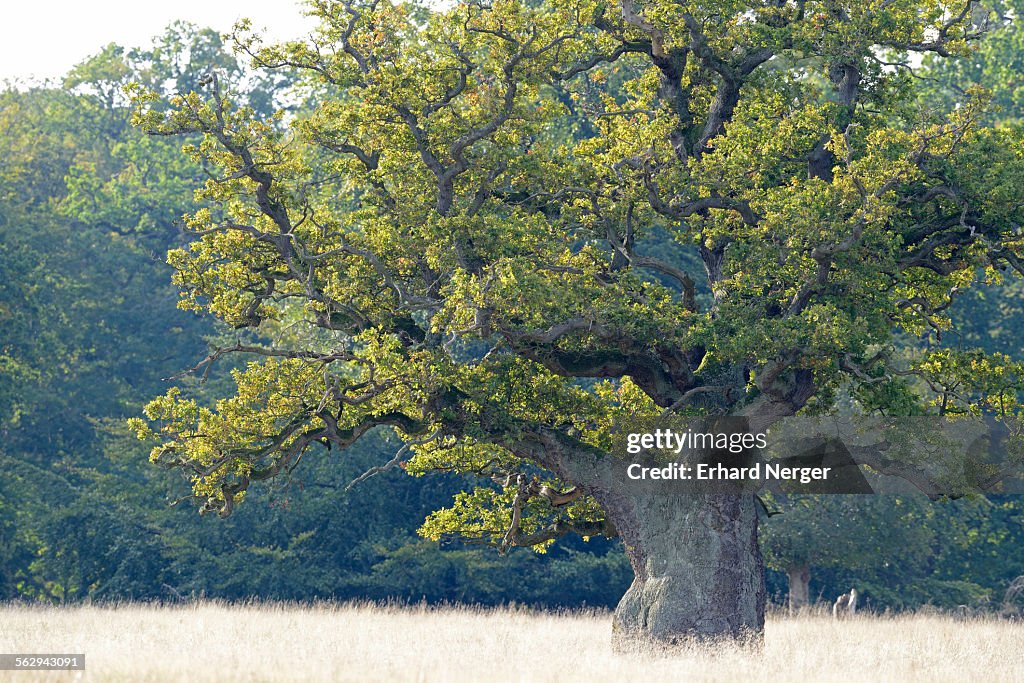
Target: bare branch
(394,461)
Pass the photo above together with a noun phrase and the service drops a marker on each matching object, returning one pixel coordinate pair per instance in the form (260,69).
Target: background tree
(995,64)
(858,533)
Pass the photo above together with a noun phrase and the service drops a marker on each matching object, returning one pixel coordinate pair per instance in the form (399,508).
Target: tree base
(699,575)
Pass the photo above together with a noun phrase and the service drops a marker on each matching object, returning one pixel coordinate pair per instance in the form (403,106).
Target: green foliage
(899,552)
(90,328)
(496,229)
(995,63)
(850,531)
(459,235)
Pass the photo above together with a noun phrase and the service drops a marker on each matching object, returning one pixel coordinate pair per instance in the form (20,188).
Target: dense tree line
(89,330)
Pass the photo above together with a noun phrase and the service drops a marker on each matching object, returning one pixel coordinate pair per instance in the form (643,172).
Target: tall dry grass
(275,642)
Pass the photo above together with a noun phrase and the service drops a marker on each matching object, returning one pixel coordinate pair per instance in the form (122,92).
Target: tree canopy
(455,236)
(461,240)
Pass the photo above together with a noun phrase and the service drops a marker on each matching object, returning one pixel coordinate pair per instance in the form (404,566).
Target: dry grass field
(216,642)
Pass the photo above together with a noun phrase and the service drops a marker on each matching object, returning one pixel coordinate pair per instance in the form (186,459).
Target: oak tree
(503,226)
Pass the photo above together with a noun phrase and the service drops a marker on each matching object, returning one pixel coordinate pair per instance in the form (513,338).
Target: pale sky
(45,38)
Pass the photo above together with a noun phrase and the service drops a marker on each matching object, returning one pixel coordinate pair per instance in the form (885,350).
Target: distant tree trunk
(799,587)
(697,566)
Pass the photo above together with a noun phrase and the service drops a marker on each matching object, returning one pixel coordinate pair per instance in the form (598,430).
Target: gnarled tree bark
(698,569)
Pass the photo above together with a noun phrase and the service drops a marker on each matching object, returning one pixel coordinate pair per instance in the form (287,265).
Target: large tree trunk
(799,587)
(697,565)
(698,570)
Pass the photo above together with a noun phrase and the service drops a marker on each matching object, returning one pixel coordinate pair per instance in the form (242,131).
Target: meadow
(209,641)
